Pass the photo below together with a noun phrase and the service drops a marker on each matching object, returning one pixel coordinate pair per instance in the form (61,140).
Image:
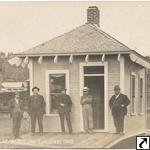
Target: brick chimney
(93,15)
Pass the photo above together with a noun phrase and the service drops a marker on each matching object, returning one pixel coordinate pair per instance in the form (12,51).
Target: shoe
(90,131)
(63,132)
(17,137)
(41,133)
(87,131)
(121,133)
(33,134)
(70,132)
(117,133)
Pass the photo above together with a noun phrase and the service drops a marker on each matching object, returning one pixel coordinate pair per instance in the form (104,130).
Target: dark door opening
(96,85)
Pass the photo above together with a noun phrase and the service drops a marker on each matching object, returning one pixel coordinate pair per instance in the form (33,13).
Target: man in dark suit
(16,108)
(118,105)
(64,104)
(36,108)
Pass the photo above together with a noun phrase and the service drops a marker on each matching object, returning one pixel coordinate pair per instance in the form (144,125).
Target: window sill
(133,114)
(141,114)
(51,115)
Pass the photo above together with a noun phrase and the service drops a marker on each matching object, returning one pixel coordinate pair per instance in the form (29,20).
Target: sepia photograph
(75,74)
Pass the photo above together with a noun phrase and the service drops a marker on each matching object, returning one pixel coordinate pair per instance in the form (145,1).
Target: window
(141,92)
(57,83)
(56,80)
(133,92)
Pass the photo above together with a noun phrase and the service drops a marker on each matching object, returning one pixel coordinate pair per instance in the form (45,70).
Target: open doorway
(96,85)
(93,77)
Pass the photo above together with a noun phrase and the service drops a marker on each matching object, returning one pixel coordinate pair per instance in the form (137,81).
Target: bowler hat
(116,87)
(35,88)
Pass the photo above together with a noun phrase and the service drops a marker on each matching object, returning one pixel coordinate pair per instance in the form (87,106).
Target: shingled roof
(85,38)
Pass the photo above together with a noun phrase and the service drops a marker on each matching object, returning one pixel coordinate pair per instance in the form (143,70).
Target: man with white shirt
(118,105)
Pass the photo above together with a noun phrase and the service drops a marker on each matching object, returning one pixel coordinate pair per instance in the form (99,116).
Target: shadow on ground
(129,143)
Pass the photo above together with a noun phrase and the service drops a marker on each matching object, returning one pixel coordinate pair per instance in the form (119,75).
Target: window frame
(93,74)
(141,111)
(51,72)
(131,95)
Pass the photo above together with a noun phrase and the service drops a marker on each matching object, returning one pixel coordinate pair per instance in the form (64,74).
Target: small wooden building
(87,56)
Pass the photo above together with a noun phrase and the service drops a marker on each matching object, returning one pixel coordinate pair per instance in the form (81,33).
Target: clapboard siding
(52,123)
(132,120)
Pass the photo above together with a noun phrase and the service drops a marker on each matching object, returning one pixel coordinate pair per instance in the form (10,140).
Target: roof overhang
(74,54)
(139,59)
(134,56)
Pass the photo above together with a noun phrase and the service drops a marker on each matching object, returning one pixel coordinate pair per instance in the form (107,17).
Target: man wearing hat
(36,108)
(118,105)
(16,107)
(64,104)
(86,102)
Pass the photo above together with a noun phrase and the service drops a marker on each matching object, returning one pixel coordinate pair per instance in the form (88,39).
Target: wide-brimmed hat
(86,88)
(116,87)
(35,88)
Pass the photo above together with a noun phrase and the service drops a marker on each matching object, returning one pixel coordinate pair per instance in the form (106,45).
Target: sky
(24,25)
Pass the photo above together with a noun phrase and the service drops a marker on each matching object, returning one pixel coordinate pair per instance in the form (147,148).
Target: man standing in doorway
(118,105)
(16,107)
(64,104)
(86,102)
(36,107)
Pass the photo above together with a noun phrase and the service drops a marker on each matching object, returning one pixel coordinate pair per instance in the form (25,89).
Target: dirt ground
(6,126)
(6,130)
(94,140)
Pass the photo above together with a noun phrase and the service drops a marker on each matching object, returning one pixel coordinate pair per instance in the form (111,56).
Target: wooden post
(103,58)
(118,58)
(40,60)
(87,58)
(71,58)
(56,59)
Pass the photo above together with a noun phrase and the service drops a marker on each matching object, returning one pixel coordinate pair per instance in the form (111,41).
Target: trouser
(119,122)
(34,118)
(16,118)
(87,116)
(62,119)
